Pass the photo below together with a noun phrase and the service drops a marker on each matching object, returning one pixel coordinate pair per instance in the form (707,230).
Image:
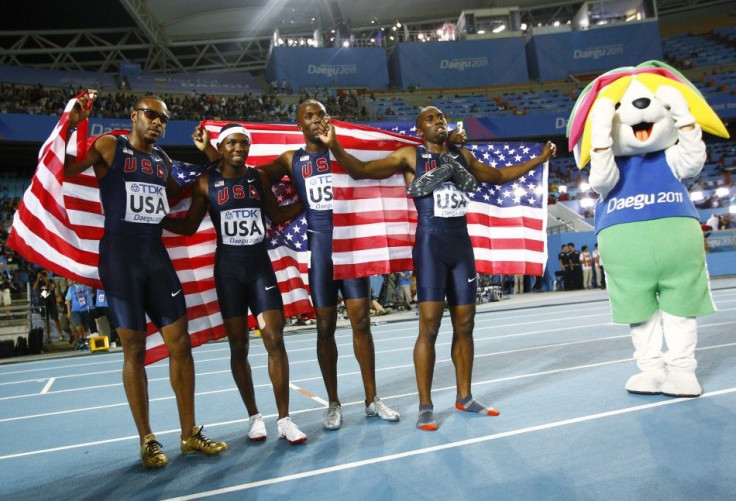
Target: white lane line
(47,387)
(212,346)
(75,365)
(324,403)
(349,356)
(309,394)
(394,367)
(446,330)
(349,344)
(447,446)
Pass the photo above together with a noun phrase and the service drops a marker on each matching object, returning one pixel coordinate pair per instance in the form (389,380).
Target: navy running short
(244,282)
(444,265)
(139,279)
(323,287)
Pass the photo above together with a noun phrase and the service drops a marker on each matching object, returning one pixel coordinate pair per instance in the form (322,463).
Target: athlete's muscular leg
(272,333)
(359,311)
(327,349)
(237,336)
(135,380)
(430,317)
(181,371)
(463,348)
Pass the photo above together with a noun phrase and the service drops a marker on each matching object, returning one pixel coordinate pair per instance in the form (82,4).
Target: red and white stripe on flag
(374,220)
(508,223)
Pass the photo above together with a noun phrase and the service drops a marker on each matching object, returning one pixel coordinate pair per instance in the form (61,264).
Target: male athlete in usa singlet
(133,195)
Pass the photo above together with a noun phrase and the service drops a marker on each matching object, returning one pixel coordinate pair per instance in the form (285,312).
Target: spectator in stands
(565,267)
(727,221)
(586,262)
(519,283)
(5,286)
(404,282)
(376,308)
(64,320)
(47,293)
(103,319)
(79,305)
(714,222)
(577,267)
(600,277)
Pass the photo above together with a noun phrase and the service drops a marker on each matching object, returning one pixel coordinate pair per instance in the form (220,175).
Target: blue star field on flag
(185,173)
(529,190)
(292,233)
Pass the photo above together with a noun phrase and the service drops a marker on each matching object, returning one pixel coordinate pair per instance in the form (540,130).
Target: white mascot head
(649,100)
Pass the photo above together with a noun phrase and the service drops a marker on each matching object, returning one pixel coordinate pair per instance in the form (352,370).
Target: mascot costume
(641,130)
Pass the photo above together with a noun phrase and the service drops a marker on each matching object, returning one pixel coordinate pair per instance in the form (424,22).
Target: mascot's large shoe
(647,338)
(681,335)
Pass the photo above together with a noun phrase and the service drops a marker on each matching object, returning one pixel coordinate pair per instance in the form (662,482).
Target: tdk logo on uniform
(147,188)
(242,213)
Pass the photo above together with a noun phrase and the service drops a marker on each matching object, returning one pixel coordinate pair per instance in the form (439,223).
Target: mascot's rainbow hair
(614,83)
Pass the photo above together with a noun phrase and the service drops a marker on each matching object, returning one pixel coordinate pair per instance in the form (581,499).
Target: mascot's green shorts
(658,264)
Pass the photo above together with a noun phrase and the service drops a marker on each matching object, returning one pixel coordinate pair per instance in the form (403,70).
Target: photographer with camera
(46,290)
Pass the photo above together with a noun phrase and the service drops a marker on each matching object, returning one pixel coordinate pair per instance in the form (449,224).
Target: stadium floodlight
(696,196)
(722,191)
(587,202)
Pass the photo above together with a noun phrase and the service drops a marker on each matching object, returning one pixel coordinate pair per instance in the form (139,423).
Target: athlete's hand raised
(326,132)
(82,107)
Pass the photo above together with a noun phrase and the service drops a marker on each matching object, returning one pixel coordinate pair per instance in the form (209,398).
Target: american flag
(507,223)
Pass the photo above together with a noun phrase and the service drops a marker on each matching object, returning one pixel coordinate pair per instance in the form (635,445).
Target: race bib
(242,227)
(319,191)
(145,202)
(81,299)
(449,201)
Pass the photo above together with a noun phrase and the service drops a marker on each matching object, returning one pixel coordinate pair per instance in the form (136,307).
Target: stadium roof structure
(179,36)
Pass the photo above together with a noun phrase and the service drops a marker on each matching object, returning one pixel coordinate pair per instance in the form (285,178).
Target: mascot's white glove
(601,123)
(673,100)
(604,173)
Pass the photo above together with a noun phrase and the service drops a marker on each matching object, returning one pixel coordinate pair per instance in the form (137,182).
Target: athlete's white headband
(234,129)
